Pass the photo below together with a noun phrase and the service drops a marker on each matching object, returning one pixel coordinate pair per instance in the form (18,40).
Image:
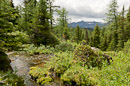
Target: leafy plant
(84,55)
(65,46)
(41,75)
(31,49)
(10,79)
(60,62)
(79,76)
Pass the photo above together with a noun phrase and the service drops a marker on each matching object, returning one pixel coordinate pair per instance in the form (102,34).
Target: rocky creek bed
(21,65)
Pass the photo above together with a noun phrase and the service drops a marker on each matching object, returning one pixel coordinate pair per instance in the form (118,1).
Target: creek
(21,65)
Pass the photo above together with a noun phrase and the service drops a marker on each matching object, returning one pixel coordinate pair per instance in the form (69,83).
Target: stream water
(21,65)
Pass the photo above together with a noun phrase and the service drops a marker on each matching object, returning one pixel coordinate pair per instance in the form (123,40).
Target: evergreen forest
(39,49)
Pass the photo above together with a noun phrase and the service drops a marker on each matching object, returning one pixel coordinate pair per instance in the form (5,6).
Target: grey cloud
(86,12)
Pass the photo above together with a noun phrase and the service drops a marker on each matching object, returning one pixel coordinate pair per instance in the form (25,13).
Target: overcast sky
(86,10)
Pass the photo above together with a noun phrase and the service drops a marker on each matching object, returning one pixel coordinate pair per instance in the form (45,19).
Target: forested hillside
(54,53)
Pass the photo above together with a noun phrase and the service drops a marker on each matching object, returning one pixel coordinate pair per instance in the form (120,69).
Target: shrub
(86,56)
(60,62)
(64,46)
(10,79)
(127,47)
(31,49)
(41,75)
(46,38)
(79,76)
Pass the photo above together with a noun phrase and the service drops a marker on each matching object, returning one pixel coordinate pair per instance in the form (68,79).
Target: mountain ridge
(83,24)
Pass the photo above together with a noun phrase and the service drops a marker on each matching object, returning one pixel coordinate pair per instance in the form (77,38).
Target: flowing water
(21,65)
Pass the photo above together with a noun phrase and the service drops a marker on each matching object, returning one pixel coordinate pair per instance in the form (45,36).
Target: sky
(86,10)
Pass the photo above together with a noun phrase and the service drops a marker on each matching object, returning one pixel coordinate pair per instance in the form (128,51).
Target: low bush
(60,62)
(84,55)
(10,79)
(31,49)
(41,75)
(65,46)
(79,76)
(57,65)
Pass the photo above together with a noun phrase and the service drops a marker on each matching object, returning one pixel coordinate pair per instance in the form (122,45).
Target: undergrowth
(72,73)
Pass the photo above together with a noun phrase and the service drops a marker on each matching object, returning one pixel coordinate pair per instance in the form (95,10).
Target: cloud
(85,9)
(88,9)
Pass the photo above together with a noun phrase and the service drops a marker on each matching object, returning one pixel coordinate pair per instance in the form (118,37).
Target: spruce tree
(87,36)
(113,21)
(127,26)
(62,21)
(96,36)
(66,33)
(104,44)
(78,34)
(121,30)
(41,27)
(7,17)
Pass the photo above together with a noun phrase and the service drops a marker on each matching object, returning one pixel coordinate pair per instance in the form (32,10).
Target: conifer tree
(104,44)
(6,24)
(41,27)
(87,36)
(62,21)
(78,34)
(66,33)
(96,36)
(127,26)
(112,19)
(121,30)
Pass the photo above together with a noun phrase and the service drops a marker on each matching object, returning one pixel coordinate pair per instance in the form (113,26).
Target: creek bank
(21,65)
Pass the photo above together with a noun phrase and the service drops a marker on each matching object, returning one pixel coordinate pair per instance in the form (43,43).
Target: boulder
(4,62)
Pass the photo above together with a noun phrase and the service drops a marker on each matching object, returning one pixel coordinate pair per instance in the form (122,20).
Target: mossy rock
(4,62)
(87,56)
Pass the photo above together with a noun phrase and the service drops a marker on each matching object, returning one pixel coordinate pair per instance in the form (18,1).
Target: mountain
(83,24)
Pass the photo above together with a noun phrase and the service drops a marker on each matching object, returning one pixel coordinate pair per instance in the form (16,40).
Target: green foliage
(7,18)
(41,75)
(10,79)
(127,47)
(65,46)
(84,55)
(87,36)
(127,26)
(96,36)
(56,65)
(78,35)
(104,44)
(71,72)
(21,37)
(66,33)
(31,49)
(121,30)
(60,62)
(62,23)
(117,74)
(79,76)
